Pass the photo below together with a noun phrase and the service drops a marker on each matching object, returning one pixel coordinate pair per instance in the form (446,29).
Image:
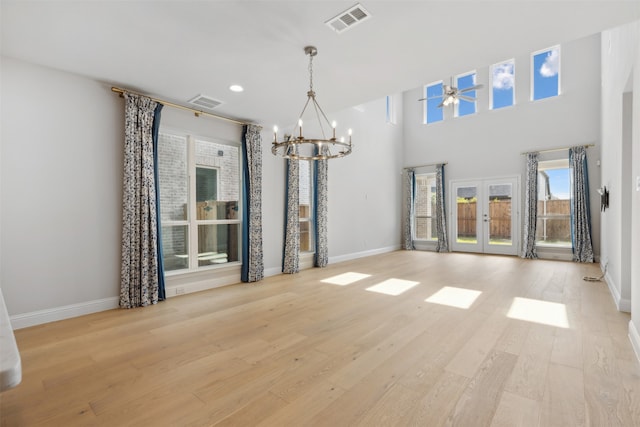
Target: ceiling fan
(453,95)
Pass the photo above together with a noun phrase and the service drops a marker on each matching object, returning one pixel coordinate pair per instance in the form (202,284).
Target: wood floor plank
(295,350)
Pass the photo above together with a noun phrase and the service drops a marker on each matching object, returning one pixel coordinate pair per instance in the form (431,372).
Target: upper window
(433,94)
(503,84)
(390,110)
(199,201)
(425,207)
(465,107)
(553,225)
(305,195)
(545,73)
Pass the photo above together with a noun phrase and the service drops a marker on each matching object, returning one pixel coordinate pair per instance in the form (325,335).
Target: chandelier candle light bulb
(311,148)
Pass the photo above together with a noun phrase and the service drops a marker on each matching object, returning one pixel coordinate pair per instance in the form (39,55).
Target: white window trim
(192,226)
(425,107)
(456,112)
(491,69)
(533,71)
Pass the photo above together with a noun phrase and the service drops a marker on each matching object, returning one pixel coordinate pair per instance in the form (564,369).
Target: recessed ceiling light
(236,88)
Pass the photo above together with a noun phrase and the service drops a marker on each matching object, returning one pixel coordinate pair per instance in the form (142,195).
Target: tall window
(503,84)
(390,116)
(305,171)
(553,226)
(425,207)
(433,94)
(545,73)
(199,201)
(464,107)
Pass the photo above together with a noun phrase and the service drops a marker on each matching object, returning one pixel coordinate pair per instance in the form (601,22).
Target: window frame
(554,164)
(429,175)
(390,110)
(456,108)
(511,61)
(425,113)
(192,222)
(533,72)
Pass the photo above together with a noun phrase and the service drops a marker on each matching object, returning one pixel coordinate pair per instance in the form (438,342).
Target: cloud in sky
(551,64)
(503,76)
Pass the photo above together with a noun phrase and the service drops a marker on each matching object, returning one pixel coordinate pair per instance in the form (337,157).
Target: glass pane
(217,244)
(425,207)
(217,180)
(175,244)
(305,237)
(500,214)
(554,231)
(173,177)
(434,98)
(553,225)
(467,212)
(466,107)
(502,82)
(304,188)
(546,70)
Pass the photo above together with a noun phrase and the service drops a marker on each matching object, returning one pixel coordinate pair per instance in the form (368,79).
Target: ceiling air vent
(348,19)
(204,101)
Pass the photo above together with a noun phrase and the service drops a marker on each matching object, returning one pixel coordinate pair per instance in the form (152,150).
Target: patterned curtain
(530,207)
(292,220)
(407,232)
(441,221)
(320,214)
(252,255)
(580,212)
(139,267)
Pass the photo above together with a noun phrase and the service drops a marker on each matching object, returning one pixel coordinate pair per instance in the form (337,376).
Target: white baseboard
(39,317)
(634,336)
(622,304)
(356,255)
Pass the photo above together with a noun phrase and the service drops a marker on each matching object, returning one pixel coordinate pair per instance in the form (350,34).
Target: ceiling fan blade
(441,105)
(468,89)
(466,98)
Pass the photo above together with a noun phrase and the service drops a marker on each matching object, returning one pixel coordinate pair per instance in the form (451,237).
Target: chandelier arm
(316,107)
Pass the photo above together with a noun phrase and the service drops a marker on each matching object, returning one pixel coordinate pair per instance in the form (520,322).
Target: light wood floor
(296,351)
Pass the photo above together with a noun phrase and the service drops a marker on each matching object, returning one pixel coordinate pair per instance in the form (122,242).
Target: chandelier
(297,146)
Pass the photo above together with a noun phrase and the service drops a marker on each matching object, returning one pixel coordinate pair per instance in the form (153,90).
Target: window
(305,171)
(503,85)
(390,110)
(425,207)
(433,94)
(553,226)
(199,201)
(545,73)
(465,108)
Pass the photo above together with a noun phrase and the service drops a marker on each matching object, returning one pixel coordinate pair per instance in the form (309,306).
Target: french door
(485,215)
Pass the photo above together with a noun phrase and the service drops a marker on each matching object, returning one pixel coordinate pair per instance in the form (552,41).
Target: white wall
(61,187)
(490,143)
(621,166)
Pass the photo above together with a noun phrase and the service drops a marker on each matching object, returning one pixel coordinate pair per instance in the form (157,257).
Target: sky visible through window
(502,82)
(559,183)
(467,107)
(546,72)
(434,98)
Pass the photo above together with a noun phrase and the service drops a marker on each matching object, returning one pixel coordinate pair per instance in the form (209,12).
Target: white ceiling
(178,49)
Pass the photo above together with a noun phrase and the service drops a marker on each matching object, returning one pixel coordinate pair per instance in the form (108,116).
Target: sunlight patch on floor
(454,297)
(345,278)
(392,286)
(544,312)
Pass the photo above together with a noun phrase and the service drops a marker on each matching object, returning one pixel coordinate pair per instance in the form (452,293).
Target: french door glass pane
(217,244)
(467,201)
(175,244)
(500,214)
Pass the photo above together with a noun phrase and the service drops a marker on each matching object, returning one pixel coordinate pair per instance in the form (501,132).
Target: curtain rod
(557,149)
(424,166)
(197,113)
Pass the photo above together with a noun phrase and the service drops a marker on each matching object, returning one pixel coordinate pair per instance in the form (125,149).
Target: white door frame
(482,221)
